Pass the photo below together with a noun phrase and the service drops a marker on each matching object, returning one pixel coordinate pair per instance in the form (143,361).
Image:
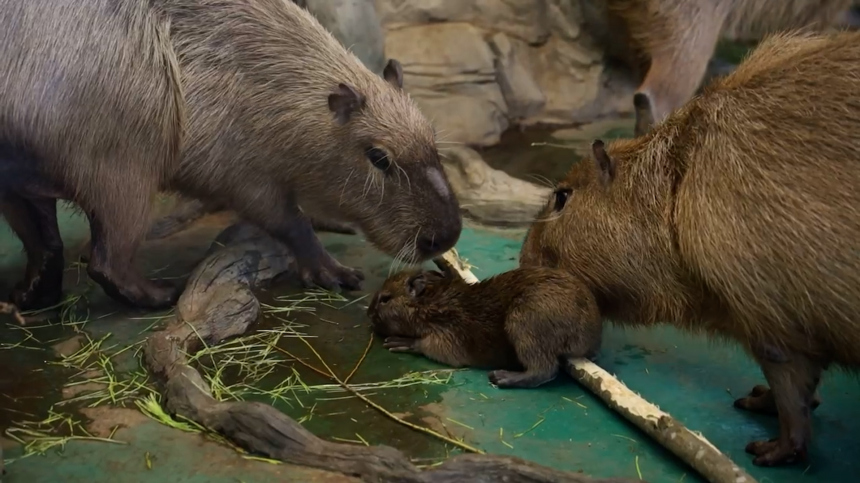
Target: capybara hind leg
(116,232)
(35,223)
(526,379)
(760,400)
(527,330)
(793,384)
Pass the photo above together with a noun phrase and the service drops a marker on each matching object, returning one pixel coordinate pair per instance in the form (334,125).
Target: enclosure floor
(559,425)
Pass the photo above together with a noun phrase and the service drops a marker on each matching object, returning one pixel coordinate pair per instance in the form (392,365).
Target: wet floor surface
(559,425)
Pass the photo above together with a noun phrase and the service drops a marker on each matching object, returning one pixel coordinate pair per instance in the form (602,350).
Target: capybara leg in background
(673,40)
(793,382)
(674,76)
(34,220)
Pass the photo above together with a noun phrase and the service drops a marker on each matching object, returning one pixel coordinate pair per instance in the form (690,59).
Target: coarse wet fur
(519,323)
(737,217)
(670,42)
(247,104)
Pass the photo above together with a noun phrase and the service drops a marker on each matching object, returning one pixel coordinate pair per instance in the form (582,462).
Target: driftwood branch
(690,447)
(218,304)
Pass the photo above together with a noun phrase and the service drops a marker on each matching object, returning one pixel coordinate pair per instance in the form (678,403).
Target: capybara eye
(384,299)
(378,158)
(561,196)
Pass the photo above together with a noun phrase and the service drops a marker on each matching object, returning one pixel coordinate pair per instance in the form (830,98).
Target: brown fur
(249,104)
(524,320)
(675,39)
(738,217)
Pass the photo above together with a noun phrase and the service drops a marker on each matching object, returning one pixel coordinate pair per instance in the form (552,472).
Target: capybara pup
(739,217)
(247,104)
(675,39)
(519,323)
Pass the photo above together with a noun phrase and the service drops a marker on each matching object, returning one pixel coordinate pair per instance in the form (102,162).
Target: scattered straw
(379,408)
(55,431)
(360,360)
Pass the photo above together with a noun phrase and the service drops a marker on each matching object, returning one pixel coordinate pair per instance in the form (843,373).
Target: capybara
(739,217)
(671,41)
(250,104)
(519,323)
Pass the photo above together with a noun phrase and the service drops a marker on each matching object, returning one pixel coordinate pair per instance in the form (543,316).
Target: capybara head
(404,304)
(608,222)
(390,181)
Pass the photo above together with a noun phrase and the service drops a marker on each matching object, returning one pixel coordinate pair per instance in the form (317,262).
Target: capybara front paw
(401,344)
(776,452)
(330,275)
(35,298)
(502,378)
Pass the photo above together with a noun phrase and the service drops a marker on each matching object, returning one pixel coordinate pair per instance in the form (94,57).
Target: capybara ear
(393,73)
(344,102)
(417,284)
(605,164)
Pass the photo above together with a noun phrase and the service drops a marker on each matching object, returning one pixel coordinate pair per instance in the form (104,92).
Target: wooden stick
(687,445)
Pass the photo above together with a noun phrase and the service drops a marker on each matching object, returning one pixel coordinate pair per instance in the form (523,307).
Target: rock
(570,76)
(356,25)
(523,19)
(450,72)
(488,195)
(522,93)
(478,67)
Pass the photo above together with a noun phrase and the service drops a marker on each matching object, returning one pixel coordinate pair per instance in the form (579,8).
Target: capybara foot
(644,110)
(328,274)
(43,289)
(776,452)
(401,344)
(760,400)
(140,293)
(505,379)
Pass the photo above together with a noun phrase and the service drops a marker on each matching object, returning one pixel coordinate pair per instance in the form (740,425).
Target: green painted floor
(560,425)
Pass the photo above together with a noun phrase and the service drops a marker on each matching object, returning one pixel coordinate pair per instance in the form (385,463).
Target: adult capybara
(675,39)
(520,323)
(739,217)
(250,104)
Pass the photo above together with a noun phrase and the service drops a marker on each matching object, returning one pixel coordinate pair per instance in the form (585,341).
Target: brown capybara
(520,323)
(249,104)
(739,217)
(671,41)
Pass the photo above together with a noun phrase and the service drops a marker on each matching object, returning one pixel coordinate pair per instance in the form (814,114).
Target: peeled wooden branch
(218,304)
(690,447)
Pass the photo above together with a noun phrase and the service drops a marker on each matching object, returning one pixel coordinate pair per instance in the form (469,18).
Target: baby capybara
(520,323)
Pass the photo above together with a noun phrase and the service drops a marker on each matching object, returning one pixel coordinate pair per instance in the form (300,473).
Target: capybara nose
(378,299)
(434,244)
